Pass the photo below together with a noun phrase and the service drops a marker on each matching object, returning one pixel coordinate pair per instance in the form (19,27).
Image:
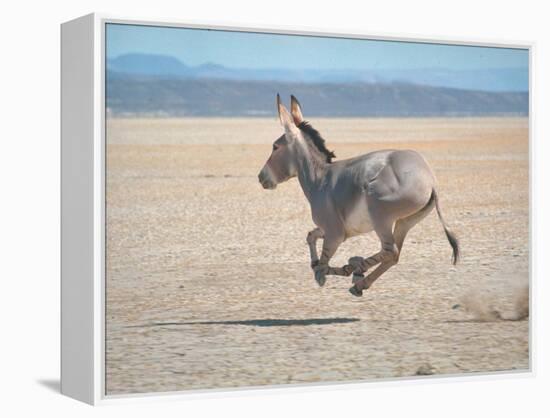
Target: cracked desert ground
(208,282)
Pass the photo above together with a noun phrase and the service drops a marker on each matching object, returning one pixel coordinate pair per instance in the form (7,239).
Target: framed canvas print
(256,208)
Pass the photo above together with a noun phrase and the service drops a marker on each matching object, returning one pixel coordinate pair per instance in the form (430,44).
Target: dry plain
(208,282)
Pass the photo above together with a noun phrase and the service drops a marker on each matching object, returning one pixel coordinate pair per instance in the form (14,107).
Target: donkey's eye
(275,147)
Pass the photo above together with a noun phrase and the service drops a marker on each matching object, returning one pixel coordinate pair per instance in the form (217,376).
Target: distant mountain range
(156,85)
(502,79)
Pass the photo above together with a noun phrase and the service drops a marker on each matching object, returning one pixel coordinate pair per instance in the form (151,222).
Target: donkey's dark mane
(317,140)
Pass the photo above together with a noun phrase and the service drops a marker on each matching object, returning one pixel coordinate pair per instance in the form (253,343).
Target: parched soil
(208,282)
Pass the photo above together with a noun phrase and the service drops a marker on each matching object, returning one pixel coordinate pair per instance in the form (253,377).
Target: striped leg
(327,270)
(402,227)
(322,269)
(386,257)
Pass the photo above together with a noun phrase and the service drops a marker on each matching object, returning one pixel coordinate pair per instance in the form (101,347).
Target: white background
(29,233)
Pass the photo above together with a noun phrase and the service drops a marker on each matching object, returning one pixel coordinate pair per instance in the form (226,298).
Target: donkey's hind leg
(402,227)
(400,232)
(386,257)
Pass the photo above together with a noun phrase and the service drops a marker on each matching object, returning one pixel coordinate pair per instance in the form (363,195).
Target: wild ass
(388,191)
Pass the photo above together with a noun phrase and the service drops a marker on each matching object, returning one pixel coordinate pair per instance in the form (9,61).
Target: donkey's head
(281,164)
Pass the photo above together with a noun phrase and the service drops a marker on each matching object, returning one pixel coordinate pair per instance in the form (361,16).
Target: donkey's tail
(453,240)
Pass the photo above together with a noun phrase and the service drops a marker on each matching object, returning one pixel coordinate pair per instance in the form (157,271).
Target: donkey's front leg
(311,239)
(330,245)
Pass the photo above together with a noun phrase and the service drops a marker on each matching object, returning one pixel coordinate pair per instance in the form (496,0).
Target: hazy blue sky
(245,50)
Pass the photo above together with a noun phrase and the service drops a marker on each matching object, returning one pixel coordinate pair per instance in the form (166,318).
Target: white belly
(358,220)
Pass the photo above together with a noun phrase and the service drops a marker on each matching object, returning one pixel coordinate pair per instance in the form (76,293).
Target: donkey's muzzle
(265,180)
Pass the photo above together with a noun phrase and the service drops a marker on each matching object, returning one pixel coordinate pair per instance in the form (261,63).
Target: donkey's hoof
(358,263)
(357,277)
(320,277)
(355,291)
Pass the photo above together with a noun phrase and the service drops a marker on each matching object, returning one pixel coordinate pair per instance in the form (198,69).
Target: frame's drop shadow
(52,384)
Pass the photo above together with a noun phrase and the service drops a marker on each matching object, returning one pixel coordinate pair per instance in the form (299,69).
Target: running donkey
(386,191)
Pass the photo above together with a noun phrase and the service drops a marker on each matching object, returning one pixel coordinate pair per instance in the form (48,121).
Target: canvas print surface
(285,209)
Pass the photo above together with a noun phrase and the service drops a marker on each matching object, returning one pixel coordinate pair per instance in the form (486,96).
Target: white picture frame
(83,202)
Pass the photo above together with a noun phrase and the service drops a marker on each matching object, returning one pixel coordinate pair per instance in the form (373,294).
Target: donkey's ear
(296,110)
(285,118)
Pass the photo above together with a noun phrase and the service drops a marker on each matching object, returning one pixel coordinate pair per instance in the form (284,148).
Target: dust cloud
(486,305)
